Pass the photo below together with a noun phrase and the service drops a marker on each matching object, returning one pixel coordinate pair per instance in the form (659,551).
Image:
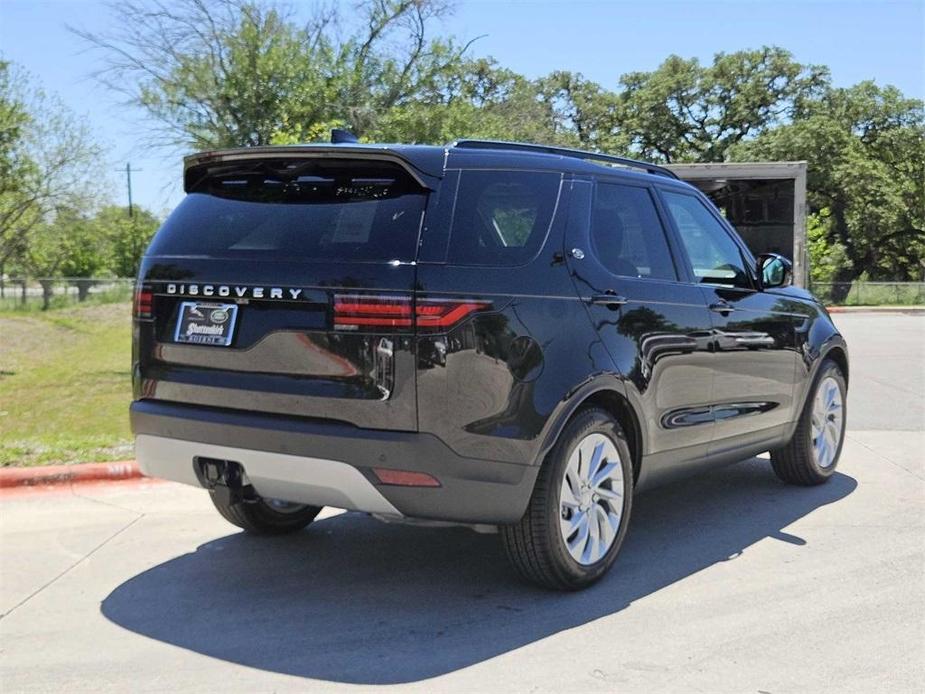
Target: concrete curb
(11,477)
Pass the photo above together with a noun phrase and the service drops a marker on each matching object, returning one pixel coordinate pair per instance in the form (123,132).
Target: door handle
(723,307)
(610,300)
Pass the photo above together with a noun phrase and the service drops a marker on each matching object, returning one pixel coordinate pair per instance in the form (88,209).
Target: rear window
(321,209)
(501,218)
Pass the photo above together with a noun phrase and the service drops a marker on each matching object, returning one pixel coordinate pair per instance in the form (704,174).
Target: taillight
(356,312)
(443,313)
(144,302)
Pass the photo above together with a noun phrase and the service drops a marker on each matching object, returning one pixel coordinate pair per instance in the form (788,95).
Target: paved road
(727,582)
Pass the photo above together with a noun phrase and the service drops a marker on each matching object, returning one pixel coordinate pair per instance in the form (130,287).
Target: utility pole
(128,182)
(131,207)
(128,179)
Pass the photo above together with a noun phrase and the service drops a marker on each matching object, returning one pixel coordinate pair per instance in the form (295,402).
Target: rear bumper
(330,464)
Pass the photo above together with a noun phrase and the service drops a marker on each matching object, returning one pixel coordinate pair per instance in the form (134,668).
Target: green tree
(477,99)
(126,238)
(684,111)
(583,113)
(224,73)
(50,161)
(66,245)
(865,148)
(16,168)
(827,259)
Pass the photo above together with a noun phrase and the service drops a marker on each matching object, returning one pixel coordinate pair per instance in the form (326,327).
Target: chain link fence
(17,294)
(862,293)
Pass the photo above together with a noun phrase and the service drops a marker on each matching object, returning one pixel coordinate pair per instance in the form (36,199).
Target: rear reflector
(144,303)
(405,478)
(354,312)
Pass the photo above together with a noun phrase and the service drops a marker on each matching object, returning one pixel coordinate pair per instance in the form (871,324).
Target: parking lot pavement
(727,582)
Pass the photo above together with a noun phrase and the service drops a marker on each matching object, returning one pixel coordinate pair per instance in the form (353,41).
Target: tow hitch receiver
(225,479)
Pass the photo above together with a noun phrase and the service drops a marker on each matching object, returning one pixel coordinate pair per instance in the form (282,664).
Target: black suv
(507,336)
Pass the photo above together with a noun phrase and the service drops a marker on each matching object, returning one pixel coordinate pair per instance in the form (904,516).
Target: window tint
(627,235)
(501,217)
(714,255)
(326,210)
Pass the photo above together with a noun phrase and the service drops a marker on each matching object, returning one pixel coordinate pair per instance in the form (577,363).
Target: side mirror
(773,270)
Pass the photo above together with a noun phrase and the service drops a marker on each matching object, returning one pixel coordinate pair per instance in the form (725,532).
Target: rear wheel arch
(622,411)
(614,403)
(840,357)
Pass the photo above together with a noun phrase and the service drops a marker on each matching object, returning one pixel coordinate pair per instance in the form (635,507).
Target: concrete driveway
(727,582)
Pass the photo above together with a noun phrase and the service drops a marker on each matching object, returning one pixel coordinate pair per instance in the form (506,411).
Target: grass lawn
(65,385)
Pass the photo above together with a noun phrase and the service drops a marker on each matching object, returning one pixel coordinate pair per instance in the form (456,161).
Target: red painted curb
(67,474)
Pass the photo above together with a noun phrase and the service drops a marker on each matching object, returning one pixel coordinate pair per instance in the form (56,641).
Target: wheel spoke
(821,446)
(577,545)
(577,521)
(596,457)
(568,497)
(816,424)
(607,531)
(591,549)
(604,472)
(609,494)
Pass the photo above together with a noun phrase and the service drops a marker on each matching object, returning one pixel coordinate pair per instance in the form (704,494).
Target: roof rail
(566,152)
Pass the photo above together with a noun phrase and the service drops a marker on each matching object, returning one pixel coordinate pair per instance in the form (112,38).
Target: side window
(627,235)
(501,218)
(715,257)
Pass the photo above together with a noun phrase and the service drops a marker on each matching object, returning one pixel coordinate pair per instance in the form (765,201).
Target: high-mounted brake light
(144,302)
(356,312)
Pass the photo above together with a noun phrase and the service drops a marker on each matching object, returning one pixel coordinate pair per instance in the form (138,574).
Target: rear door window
(501,218)
(300,209)
(627,235)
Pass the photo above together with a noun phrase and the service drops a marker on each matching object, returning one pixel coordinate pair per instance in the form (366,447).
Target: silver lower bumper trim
(300,479)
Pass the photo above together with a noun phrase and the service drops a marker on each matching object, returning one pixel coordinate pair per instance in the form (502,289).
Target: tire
(263,517)
(801,461)
(538,545)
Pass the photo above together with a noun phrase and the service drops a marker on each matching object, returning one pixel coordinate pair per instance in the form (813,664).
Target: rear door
(285,286)
(656,328)
(492,252)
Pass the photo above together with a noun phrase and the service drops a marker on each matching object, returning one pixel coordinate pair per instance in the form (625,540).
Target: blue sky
(884,41)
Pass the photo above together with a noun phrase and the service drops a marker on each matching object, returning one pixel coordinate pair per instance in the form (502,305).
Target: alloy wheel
(591,499)
(827,422)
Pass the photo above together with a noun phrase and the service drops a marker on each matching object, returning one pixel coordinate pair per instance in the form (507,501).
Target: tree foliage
(221,73)
(124,237)
(683,111)
(865,148)
(49,162)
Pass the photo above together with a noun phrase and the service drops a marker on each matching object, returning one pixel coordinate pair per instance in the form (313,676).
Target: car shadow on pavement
(356,601)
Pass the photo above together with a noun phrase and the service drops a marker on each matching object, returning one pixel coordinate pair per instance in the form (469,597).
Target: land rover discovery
(507,336)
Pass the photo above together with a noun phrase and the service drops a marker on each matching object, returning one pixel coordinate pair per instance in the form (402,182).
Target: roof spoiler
(196,162)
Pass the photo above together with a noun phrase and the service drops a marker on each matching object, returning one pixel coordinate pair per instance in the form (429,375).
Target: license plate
(206,323)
